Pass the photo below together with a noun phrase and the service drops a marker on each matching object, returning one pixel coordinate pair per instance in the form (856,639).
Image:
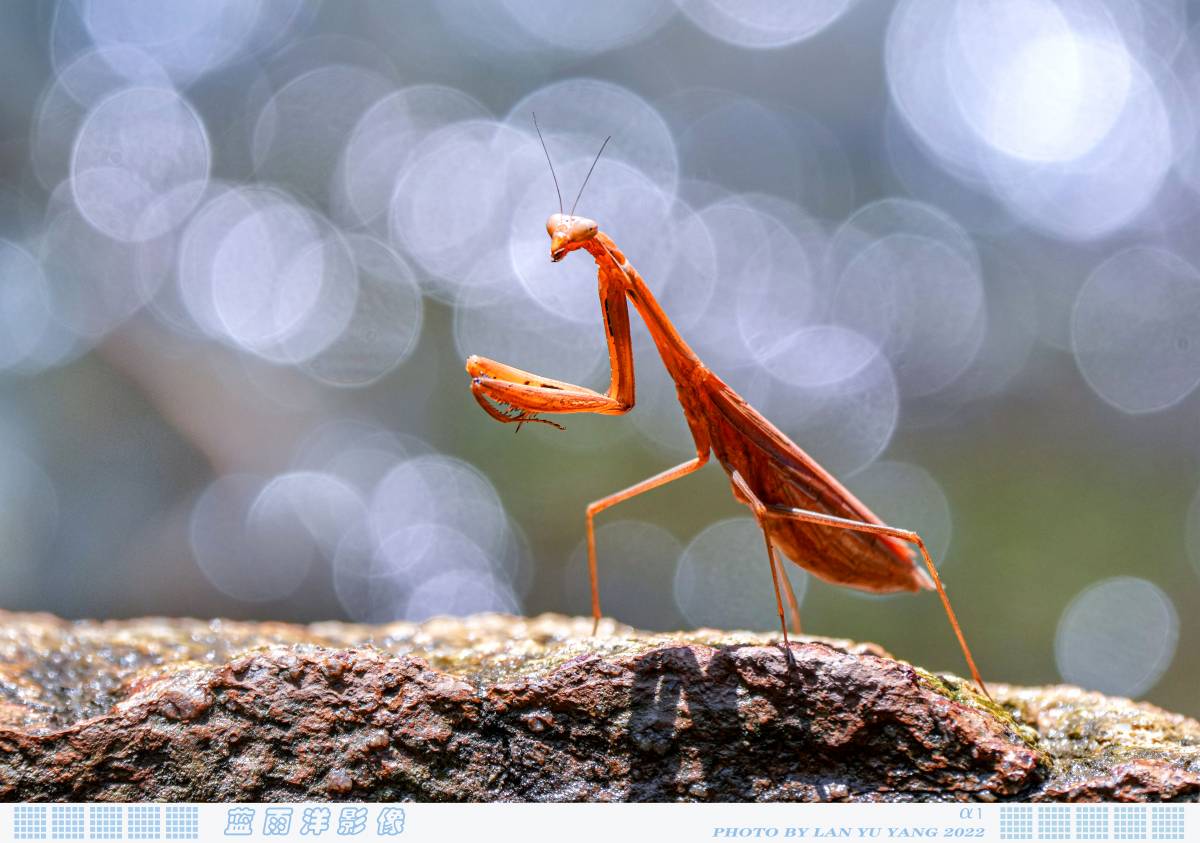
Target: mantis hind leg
(776,574)
(763,511)
(760,514)
(793,605)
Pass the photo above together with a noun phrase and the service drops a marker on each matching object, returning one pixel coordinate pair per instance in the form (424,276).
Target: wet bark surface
(501,708)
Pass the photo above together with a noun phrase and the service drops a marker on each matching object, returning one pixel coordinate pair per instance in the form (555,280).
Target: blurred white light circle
(1042,101)
(684,284)
(1118,636)
(578,114)
(921,302)
(938,245)
(358,452)
(907,496)
(452,202)
(1135,330)
(301,131)
(919,36)
(592,27)
(284,284)
(1029,85)
(140,163)
(635,563)
(819,356)
(368,581)
(284,22)
(1150,27)
(724,578)
(85,82)
(895,215)
(843,423)
(762,24)
(251,297)
(1034,79)
(1105,189)
(199,241)
(740,234)
(328,266)
(778,290)
(385,324)
(1067,121)
(1009,337)
(1185,70)
(190,38)
(24,305)
(96,282)
(458,593)
(376,581)
(304,504)
(268,562)
(384,139)
(437,489)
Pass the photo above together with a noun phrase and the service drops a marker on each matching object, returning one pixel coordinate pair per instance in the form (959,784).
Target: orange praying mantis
(803,511)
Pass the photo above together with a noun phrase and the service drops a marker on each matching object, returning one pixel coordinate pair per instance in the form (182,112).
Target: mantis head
(567,233)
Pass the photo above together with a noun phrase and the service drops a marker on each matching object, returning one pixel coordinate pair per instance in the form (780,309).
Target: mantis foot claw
(521,418)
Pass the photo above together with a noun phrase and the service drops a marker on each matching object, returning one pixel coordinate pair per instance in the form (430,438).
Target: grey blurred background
(948,247)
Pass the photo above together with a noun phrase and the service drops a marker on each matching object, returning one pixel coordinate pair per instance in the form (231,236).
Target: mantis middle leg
(595,507)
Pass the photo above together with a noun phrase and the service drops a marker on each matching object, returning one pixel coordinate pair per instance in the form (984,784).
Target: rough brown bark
(492,708)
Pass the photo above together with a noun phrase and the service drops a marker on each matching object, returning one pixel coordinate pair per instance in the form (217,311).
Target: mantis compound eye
(570,229)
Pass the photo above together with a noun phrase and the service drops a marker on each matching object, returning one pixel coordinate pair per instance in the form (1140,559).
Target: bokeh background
(949,247)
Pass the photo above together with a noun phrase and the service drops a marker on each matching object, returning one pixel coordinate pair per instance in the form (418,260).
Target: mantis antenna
(589,174)
(551,163)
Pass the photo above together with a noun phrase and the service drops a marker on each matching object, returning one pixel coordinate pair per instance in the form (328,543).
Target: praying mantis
(803,511)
